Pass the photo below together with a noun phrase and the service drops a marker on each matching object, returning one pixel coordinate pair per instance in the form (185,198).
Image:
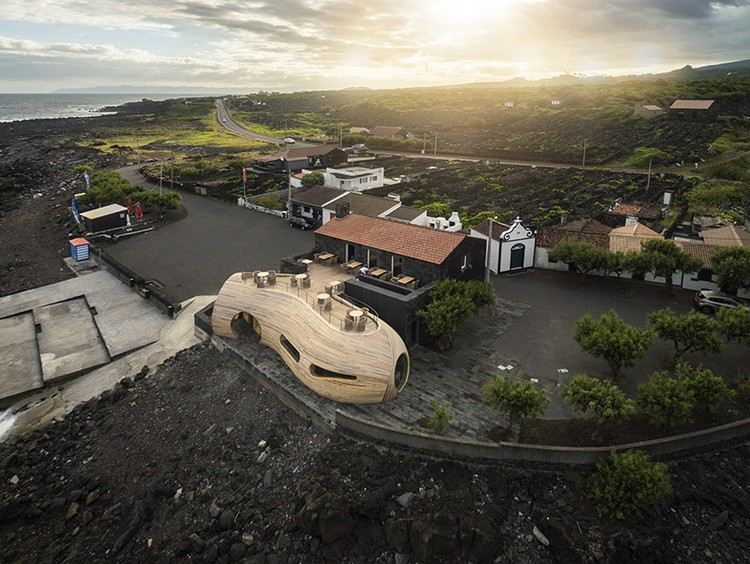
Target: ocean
(15,107)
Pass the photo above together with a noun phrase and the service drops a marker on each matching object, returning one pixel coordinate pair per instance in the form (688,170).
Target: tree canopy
(664,258)
(732,267)
(690,332)
(313,179)
(612,340)
(518,399)
(604,400)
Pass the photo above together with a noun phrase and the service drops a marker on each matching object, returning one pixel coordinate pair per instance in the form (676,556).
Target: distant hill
(175,90)
(735,70)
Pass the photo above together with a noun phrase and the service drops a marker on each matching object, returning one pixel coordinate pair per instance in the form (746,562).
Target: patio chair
(306,281)
(361,324)
(348,324)
(272,278)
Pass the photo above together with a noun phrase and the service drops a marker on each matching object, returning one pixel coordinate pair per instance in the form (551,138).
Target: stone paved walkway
(454,378)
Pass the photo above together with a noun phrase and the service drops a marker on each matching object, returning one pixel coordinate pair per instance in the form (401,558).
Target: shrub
(628,483)
(603,400)
(517,399)
(441,419)
(667,401)
(481,293)
(708,389)
(611,339)
(313,179)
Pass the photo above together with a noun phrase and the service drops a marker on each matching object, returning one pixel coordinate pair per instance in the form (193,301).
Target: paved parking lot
(541,340)
(195,255)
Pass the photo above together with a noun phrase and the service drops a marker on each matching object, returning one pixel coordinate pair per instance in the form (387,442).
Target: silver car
(710,302)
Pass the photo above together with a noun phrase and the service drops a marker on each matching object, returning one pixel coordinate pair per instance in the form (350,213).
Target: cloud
(291,44)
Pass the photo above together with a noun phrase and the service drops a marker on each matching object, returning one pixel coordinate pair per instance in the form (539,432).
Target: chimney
(395,197)
(342,210)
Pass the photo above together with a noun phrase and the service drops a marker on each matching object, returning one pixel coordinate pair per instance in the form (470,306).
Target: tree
(628,483)
(612,340)
(732,267)
(734,324)
(518,399)
(437,209)
(451,302)
(313,179)
(665,258)
(84,167)
(708,389)
(690,332)
(636,263)
(603,400)
(585,256)
(667,401)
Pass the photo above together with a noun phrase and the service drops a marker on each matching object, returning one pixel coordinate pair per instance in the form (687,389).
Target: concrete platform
(85,322)
(19,356)
(69,341)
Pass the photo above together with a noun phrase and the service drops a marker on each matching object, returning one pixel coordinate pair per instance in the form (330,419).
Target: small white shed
(512,246)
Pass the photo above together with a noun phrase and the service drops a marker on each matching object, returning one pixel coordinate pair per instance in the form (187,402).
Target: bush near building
(441,419)
(629,483)
(451,303)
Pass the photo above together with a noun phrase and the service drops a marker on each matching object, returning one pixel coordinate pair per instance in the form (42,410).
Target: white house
(354,178)
(512,246)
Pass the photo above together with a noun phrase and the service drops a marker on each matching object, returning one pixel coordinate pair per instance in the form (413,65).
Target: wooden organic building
(340,351)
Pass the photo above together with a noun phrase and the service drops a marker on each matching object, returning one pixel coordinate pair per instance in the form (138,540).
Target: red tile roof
(404,239)
(696,250)
(728,236)
(629,210)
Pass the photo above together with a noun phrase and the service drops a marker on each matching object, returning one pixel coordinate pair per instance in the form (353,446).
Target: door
(517,253)
(349,252)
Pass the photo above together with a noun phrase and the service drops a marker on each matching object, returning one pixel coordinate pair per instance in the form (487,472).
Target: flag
(87,179)
(138,210)
(74,209)
(244,174)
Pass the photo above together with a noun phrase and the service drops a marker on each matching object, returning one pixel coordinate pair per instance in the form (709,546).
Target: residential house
(631,237)
(359,130)
(269,164)
(728,236)
(694,109)
(405,261)
(388,131)
(318,156)
(309,204)
(581,230)
(622,213)
(407,214)
(648,111)
(425,254)
(355,178)
(512,247)
(361,204)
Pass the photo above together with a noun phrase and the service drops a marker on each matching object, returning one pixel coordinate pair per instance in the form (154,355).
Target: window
(374,179)
(307,209)
(320,372)
(362,180)
(289,347)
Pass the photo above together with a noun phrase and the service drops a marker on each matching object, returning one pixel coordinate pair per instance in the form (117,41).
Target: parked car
(359,147)
(710,302)
(289,141)
(300,223)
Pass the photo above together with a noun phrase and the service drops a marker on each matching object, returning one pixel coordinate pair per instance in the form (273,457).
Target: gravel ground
(195,462)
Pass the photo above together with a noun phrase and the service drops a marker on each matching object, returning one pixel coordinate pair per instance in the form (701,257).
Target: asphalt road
(225,120)
(194,256)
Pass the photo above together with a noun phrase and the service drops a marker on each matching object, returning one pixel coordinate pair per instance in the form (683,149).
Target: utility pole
(487,261)
(424,143)
(289,184)
(435,148)
(171,171)
(648,182)
(341,136)
(161,176)
(583,164)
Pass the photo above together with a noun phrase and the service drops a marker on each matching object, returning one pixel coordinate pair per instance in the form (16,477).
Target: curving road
(227,122)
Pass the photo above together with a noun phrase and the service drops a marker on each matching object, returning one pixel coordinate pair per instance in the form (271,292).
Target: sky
(291,45)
